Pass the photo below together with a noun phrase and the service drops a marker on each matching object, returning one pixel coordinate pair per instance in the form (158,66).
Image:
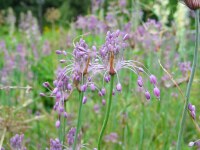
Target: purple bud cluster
(16,142)
(70,136)
(192,110)
(55,144)
(115,43)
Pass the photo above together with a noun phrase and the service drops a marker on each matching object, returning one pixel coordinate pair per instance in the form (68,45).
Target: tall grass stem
(190,82)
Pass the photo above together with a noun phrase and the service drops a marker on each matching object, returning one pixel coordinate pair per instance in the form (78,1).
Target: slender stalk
(2,138)
(189,83)
(107,113)
(79,119)
(64,125)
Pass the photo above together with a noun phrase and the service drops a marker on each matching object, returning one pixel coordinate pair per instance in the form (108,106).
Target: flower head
(16,142)
(55,144)
(192,4)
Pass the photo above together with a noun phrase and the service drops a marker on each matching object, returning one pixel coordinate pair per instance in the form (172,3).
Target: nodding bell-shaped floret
(156,92)
(119,87)
(58,124)
(84,100)
(147,95)
(153,79)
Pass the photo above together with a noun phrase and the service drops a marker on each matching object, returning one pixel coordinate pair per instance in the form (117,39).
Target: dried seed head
(192,4)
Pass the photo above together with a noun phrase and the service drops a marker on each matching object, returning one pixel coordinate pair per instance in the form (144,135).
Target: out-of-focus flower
(185,67)
(91,23)
(28,24)
(70,137)
(192,4)
(55,144)
(52,14)
(195,144)
(16,142)
(148,35)
(112,137)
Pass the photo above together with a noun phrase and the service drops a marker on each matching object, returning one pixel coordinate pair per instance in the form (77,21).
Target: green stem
(79,120)
(107,112)
(190,82)
(64,125)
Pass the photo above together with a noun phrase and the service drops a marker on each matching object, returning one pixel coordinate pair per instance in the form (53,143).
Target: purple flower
(16,142)
(46,84)
(140,81)
(156,92)
(153,79)
(58,124)
(192,110)
(103,91)
(112,137)
(84,100)
(83,88)
(103,102)
(55,144)
(92,87)
(70,136)
(119,87)
(96,108)
(147,95)
(185,67)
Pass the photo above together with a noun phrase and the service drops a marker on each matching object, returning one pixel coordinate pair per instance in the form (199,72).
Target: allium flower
(192,4)
(16,142)
(112,58)
(55,144)
(74,74)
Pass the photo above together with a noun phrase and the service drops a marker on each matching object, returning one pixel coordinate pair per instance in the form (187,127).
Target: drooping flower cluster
(112,56)
(16,142)
(55,144)
(88,63)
